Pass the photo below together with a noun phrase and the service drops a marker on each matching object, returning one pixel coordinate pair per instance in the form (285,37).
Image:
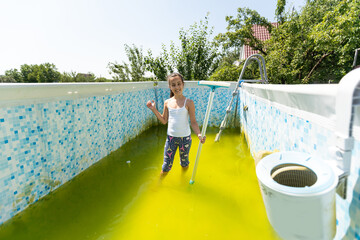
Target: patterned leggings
(171,145)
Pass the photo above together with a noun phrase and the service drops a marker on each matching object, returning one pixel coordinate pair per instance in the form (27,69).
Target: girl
(177,110)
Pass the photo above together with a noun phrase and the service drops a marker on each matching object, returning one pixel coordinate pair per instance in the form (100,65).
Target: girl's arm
(194,125)
(163,118)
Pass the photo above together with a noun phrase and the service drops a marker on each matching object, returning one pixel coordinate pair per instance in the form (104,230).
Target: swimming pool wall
(200,96)
(49,133)
(302,118)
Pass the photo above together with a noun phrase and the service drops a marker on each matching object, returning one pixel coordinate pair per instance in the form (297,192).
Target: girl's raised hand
(151,104)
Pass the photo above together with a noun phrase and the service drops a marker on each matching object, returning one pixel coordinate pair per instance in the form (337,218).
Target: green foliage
(280,10)
(81,77)
(28,73)
(315,45)
(159,66)
(132,71)
(6,79)
(196,58)
(42,73)
(102,79)
(240,30)
(68,77)
(14,74)
(85,77)
(337,35)
(226,72)
(47,73)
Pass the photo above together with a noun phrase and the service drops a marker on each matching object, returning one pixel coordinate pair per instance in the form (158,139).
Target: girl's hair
(175,74)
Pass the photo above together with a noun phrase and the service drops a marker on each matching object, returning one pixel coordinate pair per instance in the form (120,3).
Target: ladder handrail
(263,79)
(262,68)
(355,57)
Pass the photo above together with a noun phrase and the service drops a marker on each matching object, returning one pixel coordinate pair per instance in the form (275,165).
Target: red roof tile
(260,33)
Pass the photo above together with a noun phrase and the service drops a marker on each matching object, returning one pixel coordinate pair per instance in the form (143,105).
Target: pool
(122,197)
(54,135)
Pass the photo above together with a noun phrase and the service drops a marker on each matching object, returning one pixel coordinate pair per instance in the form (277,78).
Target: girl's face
(176,85)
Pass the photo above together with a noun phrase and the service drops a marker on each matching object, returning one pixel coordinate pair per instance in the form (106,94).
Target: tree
(240,31)
(14,74)
(280,11)
(159,66)
(196,59)
(317,45)
(68,77)
(230,69)
(102,79)
(46,72)
(6,79)
(337,35)
(132,71)
(85,77)
(81,77)
(28,73)
(314,45)
(226,72)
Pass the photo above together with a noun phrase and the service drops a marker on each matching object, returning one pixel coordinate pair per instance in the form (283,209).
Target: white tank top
(178,122)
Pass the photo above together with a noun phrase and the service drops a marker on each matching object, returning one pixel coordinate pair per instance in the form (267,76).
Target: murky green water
(114,199)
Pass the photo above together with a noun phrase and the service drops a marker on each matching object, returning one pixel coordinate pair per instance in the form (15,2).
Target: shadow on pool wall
(49,133)
(300,118)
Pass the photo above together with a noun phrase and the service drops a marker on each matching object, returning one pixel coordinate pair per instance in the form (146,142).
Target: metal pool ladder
(355,58)
(263,75)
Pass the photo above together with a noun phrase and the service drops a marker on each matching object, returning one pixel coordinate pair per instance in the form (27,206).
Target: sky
(85,35)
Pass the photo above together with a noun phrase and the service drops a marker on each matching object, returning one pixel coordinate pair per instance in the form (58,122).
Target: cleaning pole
(213,85)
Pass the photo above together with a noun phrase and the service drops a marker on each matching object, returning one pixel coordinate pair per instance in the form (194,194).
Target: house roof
(260,33)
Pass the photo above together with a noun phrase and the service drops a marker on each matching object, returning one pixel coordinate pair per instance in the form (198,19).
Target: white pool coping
(24,93)
(313,102)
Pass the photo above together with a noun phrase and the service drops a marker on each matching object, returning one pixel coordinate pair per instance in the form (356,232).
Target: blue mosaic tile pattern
(268,128)
(44,145)
(200,96)
(353,232)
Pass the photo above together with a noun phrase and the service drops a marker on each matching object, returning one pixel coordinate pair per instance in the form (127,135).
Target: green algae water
(122,196)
